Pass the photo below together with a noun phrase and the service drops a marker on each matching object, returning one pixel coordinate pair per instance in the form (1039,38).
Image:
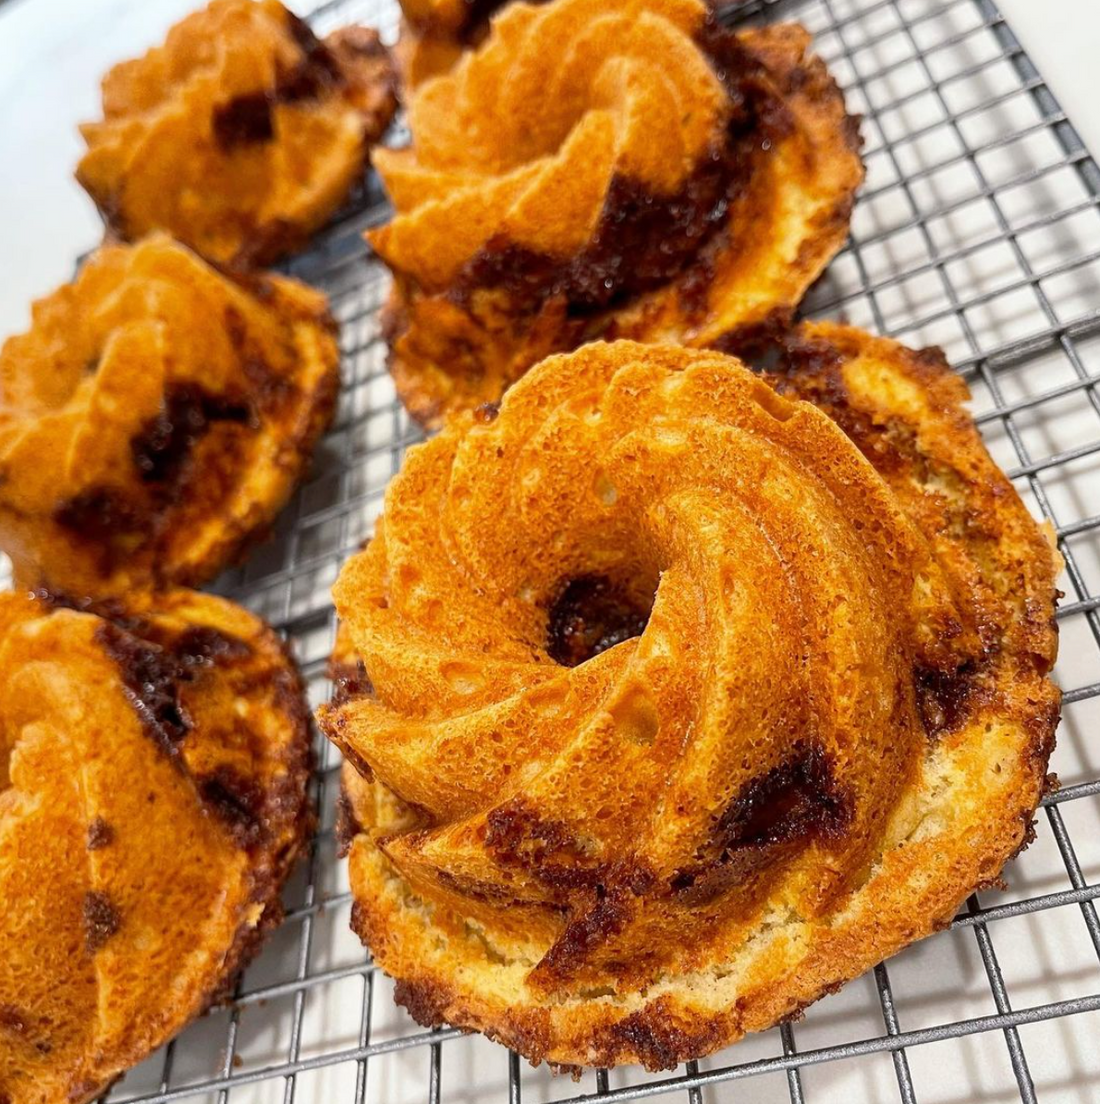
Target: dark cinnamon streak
(475,21)
(347,824)
(764,344)
(151,676)
(517,836)
(608,916)
(793,803)
(247,119)
(798,798)
(243,121)
(318,70)
(812,369)
(237,801)
(162,447)
(645,239)
(100,834)
(473,25)
(349,681)
(114,518)
(154,666)
(101,920)
(773,345)
(103,516)
(203,646)
(944,697)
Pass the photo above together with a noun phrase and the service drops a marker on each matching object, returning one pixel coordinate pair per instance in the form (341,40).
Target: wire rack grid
(978,229)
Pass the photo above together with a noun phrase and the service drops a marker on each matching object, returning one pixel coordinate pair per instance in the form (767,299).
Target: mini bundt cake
(676,701)
(625,168)
(156,417)
(241,135)
(154,764)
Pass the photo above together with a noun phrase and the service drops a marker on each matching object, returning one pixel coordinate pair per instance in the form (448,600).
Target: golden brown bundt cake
(678,702)
(596,169)
(156,417)
(154,764)
(241,135)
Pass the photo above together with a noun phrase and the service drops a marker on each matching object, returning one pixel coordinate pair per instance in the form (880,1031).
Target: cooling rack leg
(695,1094)
(364,1038)
(890,1018)
(1000,999)
(794,1077)
(230,1050)
(1073,869)
(435,1072)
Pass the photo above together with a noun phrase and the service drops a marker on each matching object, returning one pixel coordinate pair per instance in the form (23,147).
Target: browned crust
(319,408)
(664,1032)
(919,883)
(294,827)
(297,810)
(372,74)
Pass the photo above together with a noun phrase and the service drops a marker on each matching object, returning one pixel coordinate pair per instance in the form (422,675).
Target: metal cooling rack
(978,229)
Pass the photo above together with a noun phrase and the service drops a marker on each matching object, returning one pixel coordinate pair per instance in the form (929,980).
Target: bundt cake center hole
(590,614)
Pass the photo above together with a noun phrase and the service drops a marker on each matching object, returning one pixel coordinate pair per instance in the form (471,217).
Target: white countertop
(53,52)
